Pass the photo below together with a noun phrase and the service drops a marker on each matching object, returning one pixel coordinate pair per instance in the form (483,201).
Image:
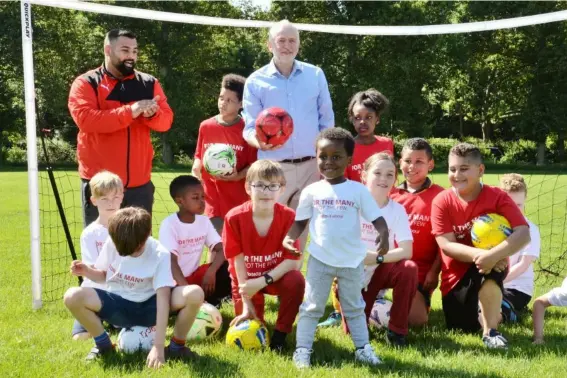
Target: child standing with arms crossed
(334,204)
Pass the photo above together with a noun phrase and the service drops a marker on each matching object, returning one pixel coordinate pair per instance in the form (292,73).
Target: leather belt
(297,161)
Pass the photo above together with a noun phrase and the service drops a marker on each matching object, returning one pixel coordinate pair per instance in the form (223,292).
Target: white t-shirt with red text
(335,229)
(93,238)
(398,227)
(136,278)
(186,240)
(525,281)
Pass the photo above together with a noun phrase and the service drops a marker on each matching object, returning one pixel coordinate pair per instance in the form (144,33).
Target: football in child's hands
(207,323)
(133,339)
(489,230)
(219,159)
(248,335)
(274,126)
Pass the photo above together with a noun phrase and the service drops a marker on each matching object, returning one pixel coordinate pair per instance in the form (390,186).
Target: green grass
(37,343)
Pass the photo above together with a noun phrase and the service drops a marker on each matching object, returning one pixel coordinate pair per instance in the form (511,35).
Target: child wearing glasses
(252,236)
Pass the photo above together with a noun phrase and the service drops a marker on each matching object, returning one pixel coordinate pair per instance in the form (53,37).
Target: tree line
(505,87)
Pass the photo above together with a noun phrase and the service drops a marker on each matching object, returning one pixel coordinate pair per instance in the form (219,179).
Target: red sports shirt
(221,196)
(261,253)
(364,151)
(450,214)
(418,206)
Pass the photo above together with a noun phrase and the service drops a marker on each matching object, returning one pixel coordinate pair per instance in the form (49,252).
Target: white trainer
(366,355)
(302,358)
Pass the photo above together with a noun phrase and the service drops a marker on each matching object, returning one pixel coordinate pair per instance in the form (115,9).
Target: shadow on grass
(406,368)
(202,365)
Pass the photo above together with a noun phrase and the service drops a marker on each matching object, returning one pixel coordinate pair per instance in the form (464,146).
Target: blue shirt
(304,95)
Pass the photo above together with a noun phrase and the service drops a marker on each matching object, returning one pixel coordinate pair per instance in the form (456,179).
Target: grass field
(34,344)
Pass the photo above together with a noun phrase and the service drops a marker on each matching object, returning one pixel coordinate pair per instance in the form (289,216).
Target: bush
(16,155)
(183,159)
(519,152)
(58,151)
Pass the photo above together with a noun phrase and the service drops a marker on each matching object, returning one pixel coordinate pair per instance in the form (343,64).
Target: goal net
(236,43)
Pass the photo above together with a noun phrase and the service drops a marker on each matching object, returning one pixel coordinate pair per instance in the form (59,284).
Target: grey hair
(278,26)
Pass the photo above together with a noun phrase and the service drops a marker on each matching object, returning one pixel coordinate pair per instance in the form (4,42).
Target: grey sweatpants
(317,288)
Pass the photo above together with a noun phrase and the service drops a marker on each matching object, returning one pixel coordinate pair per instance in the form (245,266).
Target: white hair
(279,26)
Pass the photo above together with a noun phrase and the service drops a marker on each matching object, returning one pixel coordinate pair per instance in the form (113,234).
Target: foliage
(501,85)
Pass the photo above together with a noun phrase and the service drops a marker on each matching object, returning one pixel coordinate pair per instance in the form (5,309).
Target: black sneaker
(184,354)
(278,341)
(495,340)
(96,353)
(395,339)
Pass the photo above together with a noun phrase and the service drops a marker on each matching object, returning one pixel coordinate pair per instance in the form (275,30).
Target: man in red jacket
(115,107)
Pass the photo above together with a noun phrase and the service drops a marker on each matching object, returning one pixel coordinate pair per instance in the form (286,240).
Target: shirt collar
(426,185)
(273,70)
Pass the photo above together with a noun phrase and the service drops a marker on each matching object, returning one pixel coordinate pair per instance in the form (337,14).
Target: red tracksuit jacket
(109,138)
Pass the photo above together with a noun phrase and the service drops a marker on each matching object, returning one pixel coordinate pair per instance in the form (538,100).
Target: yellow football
(248,335)
(489,230)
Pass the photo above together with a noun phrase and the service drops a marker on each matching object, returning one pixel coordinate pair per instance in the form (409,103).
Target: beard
(124,69)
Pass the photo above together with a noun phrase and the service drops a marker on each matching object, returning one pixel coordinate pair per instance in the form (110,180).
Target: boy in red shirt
(222,193)
(416,194)
(471,275)
(364,111)
(253,234)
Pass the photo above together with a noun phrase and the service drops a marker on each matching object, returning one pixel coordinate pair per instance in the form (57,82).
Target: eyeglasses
(262,187)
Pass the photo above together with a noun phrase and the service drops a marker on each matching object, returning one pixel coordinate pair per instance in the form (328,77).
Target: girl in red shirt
(364,111)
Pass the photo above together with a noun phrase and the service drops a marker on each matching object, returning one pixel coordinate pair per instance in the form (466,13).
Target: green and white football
(219,159)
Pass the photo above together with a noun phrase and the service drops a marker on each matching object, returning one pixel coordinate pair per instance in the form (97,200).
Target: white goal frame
(27,50)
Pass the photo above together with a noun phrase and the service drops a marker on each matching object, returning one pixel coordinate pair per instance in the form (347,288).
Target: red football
(274,126)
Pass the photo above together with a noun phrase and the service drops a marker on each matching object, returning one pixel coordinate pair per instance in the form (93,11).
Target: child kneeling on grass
(252,236)
(137,272)
(107,194)
(471,275)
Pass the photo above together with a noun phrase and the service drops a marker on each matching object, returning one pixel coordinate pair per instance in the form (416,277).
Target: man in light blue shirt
(299,88)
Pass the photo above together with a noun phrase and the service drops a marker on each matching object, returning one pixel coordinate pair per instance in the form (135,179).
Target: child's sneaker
(495,340)
(333,320)
(180,354)
(96,353)
(366,355)
(302,358)
(395,339)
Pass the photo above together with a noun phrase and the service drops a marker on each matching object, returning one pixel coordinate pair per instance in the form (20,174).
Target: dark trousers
(141,196)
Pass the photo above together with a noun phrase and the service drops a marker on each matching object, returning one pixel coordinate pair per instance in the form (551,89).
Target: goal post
(55,203)
(31,141)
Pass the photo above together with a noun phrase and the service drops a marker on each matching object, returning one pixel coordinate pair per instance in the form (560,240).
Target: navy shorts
(123,313)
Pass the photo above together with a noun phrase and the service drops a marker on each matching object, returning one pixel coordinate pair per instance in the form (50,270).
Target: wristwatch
(379,259)
(269,279)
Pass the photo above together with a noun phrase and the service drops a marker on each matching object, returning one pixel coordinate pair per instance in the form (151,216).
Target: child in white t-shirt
(137,272)
(334,205)
(394,270)
(519,283)
(107,194)
(186,233)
